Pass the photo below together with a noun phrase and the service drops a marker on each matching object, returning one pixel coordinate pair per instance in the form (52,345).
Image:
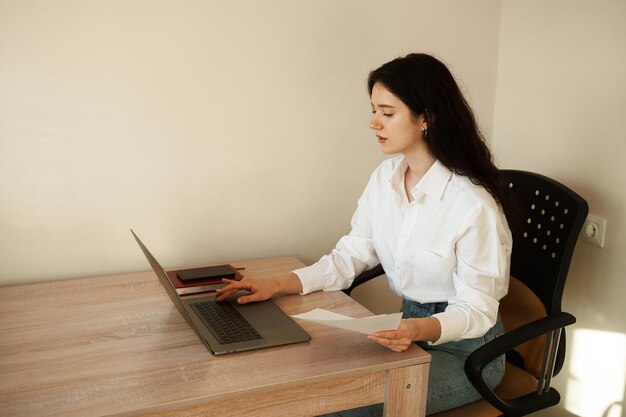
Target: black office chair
(550,219)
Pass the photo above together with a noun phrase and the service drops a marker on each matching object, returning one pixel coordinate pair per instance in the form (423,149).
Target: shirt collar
(433,183)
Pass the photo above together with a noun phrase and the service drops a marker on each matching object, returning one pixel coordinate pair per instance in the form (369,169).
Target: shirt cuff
(311,278)
(452,326)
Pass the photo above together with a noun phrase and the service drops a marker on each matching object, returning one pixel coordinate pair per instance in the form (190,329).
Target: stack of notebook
(201,280)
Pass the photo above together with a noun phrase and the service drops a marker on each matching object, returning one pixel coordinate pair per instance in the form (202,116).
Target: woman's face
(396,129)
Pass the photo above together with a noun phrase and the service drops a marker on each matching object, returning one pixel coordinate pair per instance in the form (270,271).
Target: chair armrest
(478,359)
(364,277)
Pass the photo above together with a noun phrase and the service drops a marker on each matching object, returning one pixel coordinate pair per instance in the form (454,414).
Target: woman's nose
(375,123)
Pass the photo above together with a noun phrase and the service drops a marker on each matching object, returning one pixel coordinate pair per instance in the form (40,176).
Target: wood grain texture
(116,346)
(405,391)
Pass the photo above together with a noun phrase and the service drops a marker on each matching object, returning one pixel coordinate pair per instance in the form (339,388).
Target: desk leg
(405,391)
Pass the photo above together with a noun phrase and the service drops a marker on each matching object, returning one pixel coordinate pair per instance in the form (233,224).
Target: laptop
(228,327)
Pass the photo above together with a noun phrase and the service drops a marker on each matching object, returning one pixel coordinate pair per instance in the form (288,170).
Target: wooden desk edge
(401,389)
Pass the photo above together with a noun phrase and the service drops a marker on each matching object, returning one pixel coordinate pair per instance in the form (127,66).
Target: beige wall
(229,130)
(561,110)
(218,130)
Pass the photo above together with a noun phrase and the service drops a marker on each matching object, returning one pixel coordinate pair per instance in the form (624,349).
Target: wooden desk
(116,346)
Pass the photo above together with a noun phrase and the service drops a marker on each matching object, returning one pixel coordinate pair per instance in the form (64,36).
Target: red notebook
(199,285)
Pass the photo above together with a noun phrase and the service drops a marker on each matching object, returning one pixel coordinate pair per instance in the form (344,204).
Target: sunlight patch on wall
(597,374)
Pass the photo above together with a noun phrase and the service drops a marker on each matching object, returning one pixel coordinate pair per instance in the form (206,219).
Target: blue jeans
(448,387)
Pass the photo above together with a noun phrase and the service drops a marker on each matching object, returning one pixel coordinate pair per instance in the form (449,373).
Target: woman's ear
(429,117)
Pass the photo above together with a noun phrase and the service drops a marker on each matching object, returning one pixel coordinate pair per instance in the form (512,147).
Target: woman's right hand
(261,289)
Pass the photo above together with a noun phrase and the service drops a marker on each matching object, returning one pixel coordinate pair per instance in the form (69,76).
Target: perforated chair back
(550,219)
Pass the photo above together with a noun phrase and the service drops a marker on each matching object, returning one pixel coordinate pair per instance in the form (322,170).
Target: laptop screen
(165,282)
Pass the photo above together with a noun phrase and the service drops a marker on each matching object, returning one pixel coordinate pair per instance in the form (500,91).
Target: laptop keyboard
(225,322)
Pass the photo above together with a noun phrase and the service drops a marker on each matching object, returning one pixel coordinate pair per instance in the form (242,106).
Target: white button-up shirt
(450,244)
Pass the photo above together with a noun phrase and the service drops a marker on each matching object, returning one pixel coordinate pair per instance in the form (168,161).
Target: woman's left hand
(397,340)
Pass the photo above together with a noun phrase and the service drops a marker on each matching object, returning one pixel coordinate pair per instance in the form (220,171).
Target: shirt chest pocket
(432,265)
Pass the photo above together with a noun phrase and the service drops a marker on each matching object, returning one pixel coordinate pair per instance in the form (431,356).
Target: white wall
(561,110)
(218,130)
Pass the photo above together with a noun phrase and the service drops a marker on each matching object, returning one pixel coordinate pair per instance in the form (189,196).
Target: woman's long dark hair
(427,87)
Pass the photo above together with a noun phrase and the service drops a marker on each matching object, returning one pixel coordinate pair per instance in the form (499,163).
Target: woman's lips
(381,139)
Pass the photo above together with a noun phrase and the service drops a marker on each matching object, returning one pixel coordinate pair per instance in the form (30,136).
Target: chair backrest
(550,219)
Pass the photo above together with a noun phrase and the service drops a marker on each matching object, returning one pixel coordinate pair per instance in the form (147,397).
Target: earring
(425,130)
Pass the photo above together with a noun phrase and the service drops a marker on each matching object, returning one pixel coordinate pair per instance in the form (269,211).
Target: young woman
(433,216)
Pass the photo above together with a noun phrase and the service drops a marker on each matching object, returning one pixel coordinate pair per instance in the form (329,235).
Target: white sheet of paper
(367,325)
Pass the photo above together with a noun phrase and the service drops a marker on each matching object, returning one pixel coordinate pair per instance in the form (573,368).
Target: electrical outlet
(594,230)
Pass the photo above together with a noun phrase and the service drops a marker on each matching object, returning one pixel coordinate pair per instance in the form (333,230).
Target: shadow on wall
(614,410)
